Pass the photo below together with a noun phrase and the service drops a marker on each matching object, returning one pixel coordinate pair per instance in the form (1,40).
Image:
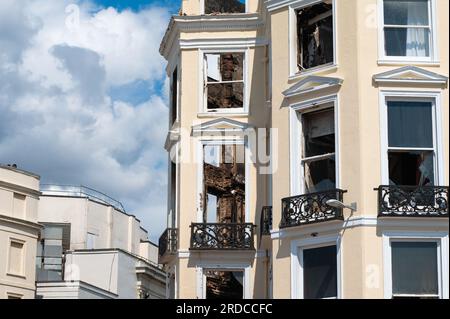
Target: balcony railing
(413,201)
(168,243)
(310,208)
(207,236)
(266,220)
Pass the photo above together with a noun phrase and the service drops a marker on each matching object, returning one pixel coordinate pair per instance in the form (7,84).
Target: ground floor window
(224,284)
(320,273)
(415,269)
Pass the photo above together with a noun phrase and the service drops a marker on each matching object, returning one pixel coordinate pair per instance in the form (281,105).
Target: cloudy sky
(83,97)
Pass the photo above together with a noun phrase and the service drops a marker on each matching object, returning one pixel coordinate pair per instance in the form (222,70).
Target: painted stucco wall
(19,193)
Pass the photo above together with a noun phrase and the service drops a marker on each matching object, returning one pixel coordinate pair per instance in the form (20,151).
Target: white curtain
(417,38)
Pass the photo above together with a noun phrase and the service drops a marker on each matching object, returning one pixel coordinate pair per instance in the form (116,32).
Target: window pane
(406,12)
(225,67)
(53,232)
(414,42)
(320,272)
(320,175)
(410,124)
(225,96)
(315,35)
(224,284)
(414,268)
(318,132)
(224,6)
(223,196)
(411,168)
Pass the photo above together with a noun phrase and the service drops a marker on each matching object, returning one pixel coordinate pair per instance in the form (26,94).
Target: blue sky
(83,97)
(137,5)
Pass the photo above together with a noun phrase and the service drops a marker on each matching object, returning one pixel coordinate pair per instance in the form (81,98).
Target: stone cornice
(229,22)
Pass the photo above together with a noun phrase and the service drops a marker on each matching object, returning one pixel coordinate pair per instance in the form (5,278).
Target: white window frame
(441,238)
(435,99)
(200,158)
(203,107)
(297,183)
(201,277)
(434,55)
(202,7)
(297,248)
(294,72)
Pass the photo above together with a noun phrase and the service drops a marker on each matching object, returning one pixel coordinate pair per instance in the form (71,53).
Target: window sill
(319,69)
(16,275)
(408,62)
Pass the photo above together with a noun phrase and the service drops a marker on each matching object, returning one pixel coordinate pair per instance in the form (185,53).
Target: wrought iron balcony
(227,236)
(412,201)
(168,243)
(310,208)
(266,220)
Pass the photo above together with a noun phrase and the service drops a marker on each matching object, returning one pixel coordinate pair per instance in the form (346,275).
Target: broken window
(411,146)
(315,35)
(224,81)
(224,284)
(319,150)
(174,97)
(224,6)
(224,184)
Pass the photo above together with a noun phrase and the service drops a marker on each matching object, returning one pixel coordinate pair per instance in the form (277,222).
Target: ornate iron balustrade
(310,208)
(227,236)
(266,220)
(413,201)
(168,242)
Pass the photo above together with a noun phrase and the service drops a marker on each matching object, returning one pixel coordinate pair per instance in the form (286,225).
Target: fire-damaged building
(343,184)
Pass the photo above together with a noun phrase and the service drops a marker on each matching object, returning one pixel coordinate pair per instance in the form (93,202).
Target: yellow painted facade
(266,32)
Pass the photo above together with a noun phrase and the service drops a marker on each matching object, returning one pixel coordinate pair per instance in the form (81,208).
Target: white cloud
(56,117)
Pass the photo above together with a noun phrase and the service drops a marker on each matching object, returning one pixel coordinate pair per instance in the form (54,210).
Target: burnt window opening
(224,6)
(224,81)
(224,284)
(224,184)
(315,35)
(319,150)
(174,97)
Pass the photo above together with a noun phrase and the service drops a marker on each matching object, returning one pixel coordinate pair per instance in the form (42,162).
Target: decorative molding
(20,189)
(220,126)
(354,222)
(273,5)
(311,84)
(223,43)
(210,23)
(28,225)
(410,74)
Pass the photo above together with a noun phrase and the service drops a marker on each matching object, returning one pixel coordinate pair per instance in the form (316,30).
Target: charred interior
(225,80)
(224,6)
(224,184)
(319,150)
(224,284)
(315,35)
